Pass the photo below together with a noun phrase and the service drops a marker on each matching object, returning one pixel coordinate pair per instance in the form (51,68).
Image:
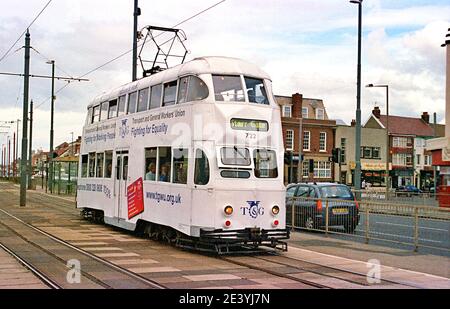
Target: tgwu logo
(124,129)
(253,210)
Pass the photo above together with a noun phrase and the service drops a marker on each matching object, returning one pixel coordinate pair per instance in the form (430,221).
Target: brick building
(308,116)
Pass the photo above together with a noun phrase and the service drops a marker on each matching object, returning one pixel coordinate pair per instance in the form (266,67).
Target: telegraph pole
(137,12)
(14,155)
(30,159)
(23,161)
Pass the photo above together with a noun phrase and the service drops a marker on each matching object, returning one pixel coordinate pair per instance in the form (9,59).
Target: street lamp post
(50,179)
(357,178)
(387,134)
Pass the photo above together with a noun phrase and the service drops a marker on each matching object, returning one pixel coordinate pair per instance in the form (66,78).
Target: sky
(306,46)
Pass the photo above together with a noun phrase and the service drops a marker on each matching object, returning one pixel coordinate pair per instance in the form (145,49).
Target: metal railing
(408,224)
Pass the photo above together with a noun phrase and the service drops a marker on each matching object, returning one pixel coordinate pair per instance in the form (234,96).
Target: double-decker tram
(193,154)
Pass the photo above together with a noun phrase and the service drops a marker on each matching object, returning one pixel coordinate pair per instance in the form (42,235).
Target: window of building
(112,113)
(142,100)
(418,159)
(92,164)
(409,159)
(367,152)
(305,169)
(132,97)
(265,163)
(155,97)
(180,166)
(287,111)
(104,111)
(228,88)
(121,107)
(151,155)
(170,91)
(427,160)
(322,141)
(376,153)
(320,114)
(289,139)
(304,112)
(401,142)
(84,166)
(255,90)
(96,114)
(322,169)
(108,164)
(164,163)
(100,161)
(306,140)
(343,152)
(399,159)
(201,173)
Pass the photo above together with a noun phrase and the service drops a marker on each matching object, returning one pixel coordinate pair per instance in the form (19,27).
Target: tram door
(121,183)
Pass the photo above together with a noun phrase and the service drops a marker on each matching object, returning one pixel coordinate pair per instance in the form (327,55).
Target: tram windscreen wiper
(236,150)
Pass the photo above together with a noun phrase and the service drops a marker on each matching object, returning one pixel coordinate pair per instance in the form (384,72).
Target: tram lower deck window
(235,156)
(108,164)
(180,166)
(100,161)
(201,172)
(234,174)
(84,166)
(265,163)
(92,164)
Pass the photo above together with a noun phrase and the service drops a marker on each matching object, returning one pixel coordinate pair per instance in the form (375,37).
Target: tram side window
(104,111)
(92,164)
(96,114)
(125,168)
(164,160)
(265,163)
(84,166)
(121,107)
(197,89)
(256,91)
(155,98)
(183,90)
(170,90)
(228,88)
(150,163)
(100,161)
(201,172)
(108,164)
(89,116)
(112,109)
(142,100)
(132,102)
(180,165)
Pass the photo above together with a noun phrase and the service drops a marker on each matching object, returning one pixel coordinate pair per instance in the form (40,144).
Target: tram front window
(256,91)
(235,156)
(265,163)
(228,88)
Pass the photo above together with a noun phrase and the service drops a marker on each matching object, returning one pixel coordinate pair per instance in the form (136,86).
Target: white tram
(193,152)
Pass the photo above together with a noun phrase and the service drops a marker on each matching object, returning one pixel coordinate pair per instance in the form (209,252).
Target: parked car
(310,202)
(408,190)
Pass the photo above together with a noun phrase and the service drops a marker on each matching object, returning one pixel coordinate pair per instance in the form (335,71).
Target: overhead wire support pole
(137,12)
(30,154)
(23,161)
(50,179)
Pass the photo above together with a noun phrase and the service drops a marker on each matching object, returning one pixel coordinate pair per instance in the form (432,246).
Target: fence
(65,174)
(416,225)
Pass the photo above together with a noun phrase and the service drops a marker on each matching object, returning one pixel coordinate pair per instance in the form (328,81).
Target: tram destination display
(249,124)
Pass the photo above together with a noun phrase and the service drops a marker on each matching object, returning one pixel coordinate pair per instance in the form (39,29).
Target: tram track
(139,280)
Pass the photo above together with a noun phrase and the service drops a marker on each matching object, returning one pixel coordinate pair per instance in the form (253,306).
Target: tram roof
(200,65)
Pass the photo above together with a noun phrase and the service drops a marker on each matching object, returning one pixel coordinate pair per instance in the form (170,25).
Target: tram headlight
(275,210)
(228,210)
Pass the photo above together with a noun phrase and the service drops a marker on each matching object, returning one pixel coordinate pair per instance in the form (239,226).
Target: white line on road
(405,225)
(403,236)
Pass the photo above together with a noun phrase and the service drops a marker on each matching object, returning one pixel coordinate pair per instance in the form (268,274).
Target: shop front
(372,173)
(402,177)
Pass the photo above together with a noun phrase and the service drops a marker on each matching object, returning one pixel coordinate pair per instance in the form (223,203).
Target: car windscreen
(337,192)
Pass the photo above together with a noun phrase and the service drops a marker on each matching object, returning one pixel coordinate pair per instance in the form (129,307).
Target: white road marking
(405,225)
(403,236)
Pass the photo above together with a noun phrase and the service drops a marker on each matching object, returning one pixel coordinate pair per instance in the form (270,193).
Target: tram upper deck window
(228,88)
(104,111)
(265,163)
(235,156)
(89,116)
(96,114)
(121,107)
(256,91)
(191,88)
(170,90)
(142,100)
(112,109)
(155,97)
(132,97)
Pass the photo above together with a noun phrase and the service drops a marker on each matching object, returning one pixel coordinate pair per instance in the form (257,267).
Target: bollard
(367,223)
(326,217)
(416,229)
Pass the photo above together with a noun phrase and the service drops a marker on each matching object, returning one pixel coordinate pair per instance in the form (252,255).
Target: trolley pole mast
(52,112)
(137,12)
(30,159)
(23,161)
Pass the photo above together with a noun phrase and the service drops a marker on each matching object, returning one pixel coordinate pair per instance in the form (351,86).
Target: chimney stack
(376,112)
(297,100)
(353,123)
(425,117)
